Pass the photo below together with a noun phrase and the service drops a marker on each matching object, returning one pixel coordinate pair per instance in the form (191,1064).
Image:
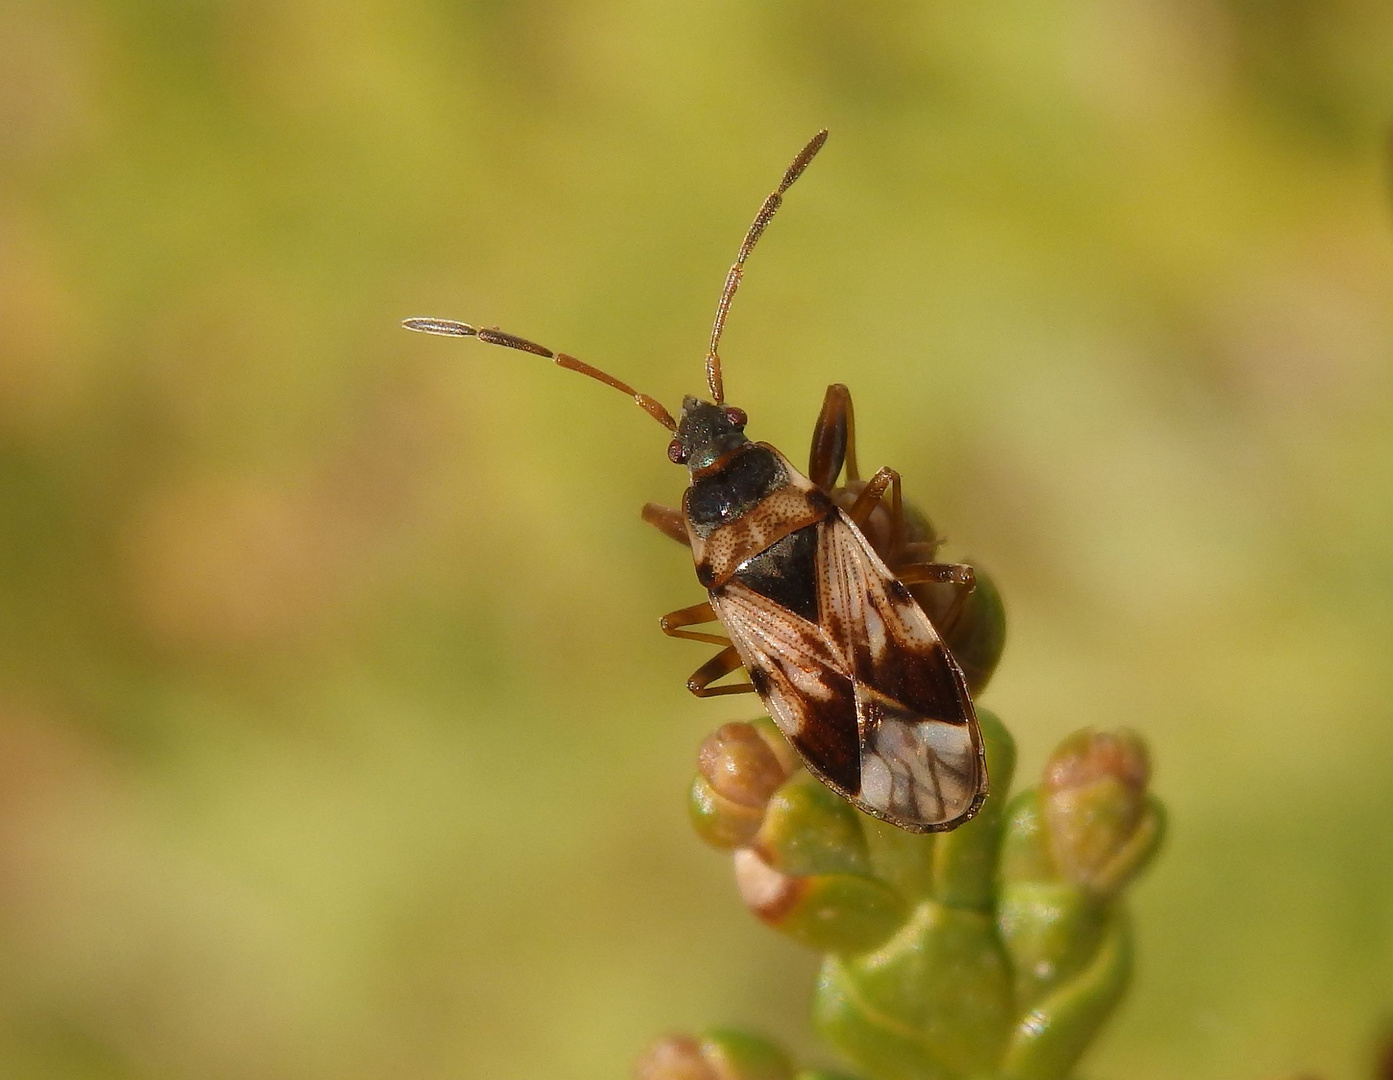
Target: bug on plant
(836,646)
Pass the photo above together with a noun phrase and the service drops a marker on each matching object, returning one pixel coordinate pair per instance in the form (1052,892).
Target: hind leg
(834,440)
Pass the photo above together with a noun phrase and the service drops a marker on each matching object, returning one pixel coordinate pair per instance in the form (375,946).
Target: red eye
(675,453)
(736,417)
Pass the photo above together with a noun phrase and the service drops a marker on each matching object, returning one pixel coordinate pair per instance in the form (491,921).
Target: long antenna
(737,271)
(449,328)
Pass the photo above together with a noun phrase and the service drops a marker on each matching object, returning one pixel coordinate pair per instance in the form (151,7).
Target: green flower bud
(836,913)
(739,1056)
(1101,826)
(741,763)
(716,1055)
(806,872)
(809,829)
(738,768)
(1069,848)
(903,860)
(881,1050)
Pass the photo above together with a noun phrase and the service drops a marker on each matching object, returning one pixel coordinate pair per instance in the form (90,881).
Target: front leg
(667,521)
(674,622)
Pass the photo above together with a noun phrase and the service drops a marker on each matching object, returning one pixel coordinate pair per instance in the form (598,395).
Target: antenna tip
(444,327)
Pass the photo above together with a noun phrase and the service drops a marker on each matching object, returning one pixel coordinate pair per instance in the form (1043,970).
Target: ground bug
(834,643)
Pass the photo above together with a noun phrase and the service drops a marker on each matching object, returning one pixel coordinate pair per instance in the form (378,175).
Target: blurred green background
(337,739)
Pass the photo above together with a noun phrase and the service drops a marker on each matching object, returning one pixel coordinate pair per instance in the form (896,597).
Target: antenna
(449,328)
(737,271)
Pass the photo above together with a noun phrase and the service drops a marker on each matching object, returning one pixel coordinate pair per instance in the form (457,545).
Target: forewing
(922,762)
(803,679)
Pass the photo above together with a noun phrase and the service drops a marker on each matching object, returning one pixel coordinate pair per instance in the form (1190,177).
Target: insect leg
(667,521)
(723,663)
(834,440)
(869,499)
(960,575)
(673,622)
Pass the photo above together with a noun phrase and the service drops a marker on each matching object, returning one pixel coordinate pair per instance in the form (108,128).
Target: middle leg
(961,576)
(869,498)
(674,624)
(722,664)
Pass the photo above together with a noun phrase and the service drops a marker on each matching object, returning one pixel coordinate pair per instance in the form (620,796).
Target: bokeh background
(337,739)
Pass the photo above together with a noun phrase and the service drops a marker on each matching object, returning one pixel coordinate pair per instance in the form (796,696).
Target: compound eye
(676,453)
(736,416)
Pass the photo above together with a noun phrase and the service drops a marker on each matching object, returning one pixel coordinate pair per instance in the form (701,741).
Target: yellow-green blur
(337,737)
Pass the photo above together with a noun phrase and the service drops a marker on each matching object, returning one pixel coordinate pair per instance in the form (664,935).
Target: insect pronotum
(850,668)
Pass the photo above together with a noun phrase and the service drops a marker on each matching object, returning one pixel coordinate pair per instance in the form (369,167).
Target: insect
(843,657)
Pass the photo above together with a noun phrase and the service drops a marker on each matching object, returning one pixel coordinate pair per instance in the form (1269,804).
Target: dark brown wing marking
(877,622)
(922,762)
(803,679)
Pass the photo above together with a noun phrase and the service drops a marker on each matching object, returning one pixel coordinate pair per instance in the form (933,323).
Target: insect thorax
(720,498)
(742,511)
